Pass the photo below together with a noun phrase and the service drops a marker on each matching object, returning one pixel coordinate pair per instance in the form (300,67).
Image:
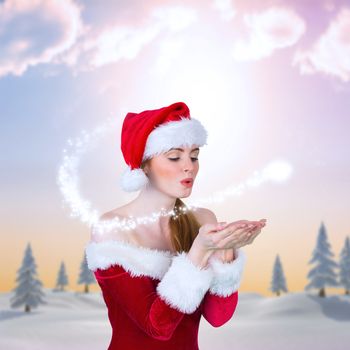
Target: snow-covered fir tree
(344,266)
(278,282)
(62,278)
(322,274)
(29,288)
(86,276)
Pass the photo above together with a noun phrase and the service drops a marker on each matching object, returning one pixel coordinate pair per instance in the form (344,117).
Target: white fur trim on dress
(185,284)
(227,275)
(175,134)
(137,260)
(133,180)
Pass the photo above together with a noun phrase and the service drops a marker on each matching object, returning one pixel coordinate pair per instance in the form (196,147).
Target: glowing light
(275,171)
(68,182)
(278,171)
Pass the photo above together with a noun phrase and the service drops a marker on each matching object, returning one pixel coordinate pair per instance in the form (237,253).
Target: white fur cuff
(184,284)
(227,275)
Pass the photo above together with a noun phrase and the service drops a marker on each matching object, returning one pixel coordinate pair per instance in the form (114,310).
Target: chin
(187,193)
(185,196)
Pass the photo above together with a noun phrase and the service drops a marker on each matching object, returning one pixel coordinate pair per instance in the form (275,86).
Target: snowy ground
(77,321)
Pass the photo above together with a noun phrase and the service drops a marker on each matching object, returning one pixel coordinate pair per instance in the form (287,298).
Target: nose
(188,165)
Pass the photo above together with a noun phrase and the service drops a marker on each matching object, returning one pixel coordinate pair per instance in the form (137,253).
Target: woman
(158,279)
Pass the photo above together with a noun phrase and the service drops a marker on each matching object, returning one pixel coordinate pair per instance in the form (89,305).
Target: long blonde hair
(184,228)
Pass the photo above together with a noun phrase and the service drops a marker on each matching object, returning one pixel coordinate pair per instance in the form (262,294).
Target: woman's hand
(218,239)
(253,228)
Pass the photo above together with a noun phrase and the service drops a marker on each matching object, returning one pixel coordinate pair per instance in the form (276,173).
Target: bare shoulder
(205,216)
(104,231)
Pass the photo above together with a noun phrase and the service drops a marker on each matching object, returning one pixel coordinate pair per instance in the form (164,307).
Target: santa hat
(152,132)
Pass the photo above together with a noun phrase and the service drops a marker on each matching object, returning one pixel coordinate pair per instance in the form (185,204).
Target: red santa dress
(155,298)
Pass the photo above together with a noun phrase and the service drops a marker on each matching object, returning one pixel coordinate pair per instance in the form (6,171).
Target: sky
(270,80)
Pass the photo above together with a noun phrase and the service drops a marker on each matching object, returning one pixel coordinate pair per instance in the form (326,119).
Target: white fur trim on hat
(175,134)
(184,284)
(227,275)
(133,180)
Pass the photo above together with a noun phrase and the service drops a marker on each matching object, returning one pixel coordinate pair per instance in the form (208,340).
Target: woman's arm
(221,299)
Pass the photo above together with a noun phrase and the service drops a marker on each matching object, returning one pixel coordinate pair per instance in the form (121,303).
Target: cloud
(36,31)
(331,52)
(117,42)
(48,31)
(271,29)
(226,9)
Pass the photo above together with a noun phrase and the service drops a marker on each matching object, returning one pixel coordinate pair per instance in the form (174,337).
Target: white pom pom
(133,180)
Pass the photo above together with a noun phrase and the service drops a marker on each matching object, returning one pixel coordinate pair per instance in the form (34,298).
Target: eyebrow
(180,149)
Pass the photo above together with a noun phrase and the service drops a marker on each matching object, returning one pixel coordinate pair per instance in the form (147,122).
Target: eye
(175,159)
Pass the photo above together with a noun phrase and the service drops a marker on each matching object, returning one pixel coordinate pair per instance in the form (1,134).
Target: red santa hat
(152,132)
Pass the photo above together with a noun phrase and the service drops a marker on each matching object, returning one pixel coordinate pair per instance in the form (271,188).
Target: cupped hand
(246,236)
(221,237)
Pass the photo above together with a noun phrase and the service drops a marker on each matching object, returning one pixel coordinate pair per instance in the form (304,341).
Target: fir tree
(28,291)
(86,276)
(344,265)
(322,274)
(62,278)
(278,282)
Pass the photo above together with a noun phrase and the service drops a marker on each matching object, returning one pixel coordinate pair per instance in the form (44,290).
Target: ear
(146,166)
(146,169)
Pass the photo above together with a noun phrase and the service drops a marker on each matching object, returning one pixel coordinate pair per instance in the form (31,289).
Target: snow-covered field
(79,321)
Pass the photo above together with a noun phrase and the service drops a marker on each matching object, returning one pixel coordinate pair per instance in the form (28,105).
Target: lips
(187,182)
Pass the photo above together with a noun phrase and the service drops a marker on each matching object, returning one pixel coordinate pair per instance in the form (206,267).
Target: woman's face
(166,170)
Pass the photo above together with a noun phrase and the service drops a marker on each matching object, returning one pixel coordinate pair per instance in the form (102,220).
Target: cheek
(167,172)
